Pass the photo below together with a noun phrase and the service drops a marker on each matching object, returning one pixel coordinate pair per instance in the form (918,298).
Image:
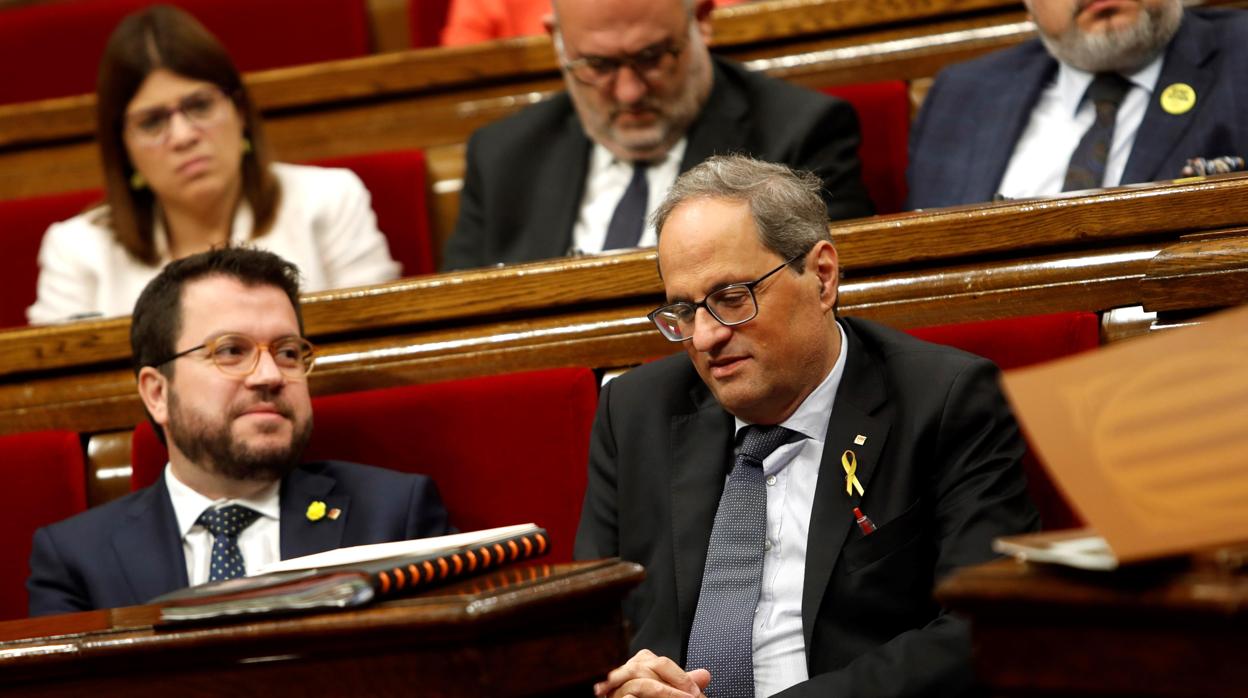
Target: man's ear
(702,15)
(154,391)
(825,265)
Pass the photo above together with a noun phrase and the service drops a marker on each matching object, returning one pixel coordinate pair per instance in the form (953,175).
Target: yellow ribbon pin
(850,462)
(316,511)
(1178,98)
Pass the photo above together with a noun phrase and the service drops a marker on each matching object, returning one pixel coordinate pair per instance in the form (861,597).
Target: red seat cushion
(502,449)
(66,39)
(46,475)
(397,181)
(426,19)
(884,120)
(22,225)
(1017,342)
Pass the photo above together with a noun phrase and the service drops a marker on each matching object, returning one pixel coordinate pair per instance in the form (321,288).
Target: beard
(1122,50)
(214,448)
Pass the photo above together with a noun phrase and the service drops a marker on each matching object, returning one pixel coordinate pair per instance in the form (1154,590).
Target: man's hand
(648,675)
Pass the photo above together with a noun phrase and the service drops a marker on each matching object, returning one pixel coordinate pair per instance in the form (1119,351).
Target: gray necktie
(1087,164)
(722,637)
(225,524)
(630,214)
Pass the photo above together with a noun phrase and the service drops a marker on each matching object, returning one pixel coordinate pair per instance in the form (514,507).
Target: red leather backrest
(66,39)
(22,225)
(426,19)
(1017,342)
(397,181)
(884,121)
(46,478)
(502,449)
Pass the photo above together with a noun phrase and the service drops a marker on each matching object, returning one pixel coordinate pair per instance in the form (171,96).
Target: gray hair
(787,205)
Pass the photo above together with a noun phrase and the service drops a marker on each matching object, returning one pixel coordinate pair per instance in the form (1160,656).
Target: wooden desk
(1162,632)
(536,630)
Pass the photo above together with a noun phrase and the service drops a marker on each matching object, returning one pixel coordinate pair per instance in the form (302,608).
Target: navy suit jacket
(975,112)
(128,551)
(942,477)
(525,175)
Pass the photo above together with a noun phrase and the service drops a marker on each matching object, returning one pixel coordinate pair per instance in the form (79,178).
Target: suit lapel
(1193,47)
(860,394)
(559,197)
(701,447)
(300,535)
(1001,121)
(148,547)
(721,127)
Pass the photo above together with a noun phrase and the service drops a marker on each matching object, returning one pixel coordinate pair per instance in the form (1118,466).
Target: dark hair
(165,37)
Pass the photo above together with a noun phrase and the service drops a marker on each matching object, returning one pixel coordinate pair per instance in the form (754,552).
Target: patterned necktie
(722,637)
(1087,164)
(630,214)
(225,524)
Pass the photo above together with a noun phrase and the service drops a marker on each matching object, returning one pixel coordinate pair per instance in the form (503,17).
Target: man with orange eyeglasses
(222,370)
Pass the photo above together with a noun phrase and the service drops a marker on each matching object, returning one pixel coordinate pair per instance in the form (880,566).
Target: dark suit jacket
(941,473)
(128,551)
(526,174)
(975,112)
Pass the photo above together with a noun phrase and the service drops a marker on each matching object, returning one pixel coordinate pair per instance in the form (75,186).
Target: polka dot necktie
(225,524)
(1087,164)
(722,637)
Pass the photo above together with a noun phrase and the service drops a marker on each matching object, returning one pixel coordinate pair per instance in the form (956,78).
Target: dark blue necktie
(722,637)
(225,524)
(1087,164)
(629,218)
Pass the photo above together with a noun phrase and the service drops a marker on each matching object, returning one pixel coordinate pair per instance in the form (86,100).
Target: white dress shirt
(791,473)
(1058,122)
(260,543)
(605,183)
(324,224)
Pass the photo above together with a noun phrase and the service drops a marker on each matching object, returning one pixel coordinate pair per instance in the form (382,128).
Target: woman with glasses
(187,169)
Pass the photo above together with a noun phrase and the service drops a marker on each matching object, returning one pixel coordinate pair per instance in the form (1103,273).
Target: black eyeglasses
(734,304)
(237,355)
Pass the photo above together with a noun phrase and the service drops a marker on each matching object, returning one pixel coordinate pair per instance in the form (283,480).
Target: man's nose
(708,332)
(266,372)
(629,86)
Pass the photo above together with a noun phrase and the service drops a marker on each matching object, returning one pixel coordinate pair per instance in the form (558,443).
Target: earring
(138,181)
(246,145)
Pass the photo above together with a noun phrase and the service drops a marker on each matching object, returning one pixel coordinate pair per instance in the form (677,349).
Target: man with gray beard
(579,172)
(1112,92)
(222,365)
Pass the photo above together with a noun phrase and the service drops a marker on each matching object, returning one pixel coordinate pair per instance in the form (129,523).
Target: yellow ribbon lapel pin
(316,511)
(850,462)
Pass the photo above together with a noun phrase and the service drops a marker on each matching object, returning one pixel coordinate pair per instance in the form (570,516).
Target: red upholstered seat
(397,181)
(1017,342)
(22,225)
(66,39)
(502,449)
(45,476)
(426,19)
(884,120)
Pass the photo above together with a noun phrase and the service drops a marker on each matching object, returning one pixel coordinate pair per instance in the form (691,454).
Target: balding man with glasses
(794,482)
(222,366)
(579,173)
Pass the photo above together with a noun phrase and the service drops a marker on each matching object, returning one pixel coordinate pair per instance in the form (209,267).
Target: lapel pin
(316,511)
(860,440)
(850,462)
(334,514)
(1178,98)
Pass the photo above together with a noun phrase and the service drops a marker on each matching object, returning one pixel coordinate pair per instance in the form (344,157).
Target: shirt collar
(602,159)
(811,417)
(1072,83)
(189,504)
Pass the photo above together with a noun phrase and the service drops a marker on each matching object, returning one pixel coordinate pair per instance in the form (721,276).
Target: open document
(1148,441)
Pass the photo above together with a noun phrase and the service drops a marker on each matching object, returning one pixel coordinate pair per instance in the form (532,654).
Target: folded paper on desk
(355,576)
(1147,440)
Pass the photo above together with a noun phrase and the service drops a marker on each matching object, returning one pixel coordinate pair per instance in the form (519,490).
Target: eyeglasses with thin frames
(733,304)
(649,64)
(203,108)
(237,355)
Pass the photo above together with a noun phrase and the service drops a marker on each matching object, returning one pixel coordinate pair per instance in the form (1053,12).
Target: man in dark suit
(897,462)
(645,100)
(1010,123)
(222,370)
